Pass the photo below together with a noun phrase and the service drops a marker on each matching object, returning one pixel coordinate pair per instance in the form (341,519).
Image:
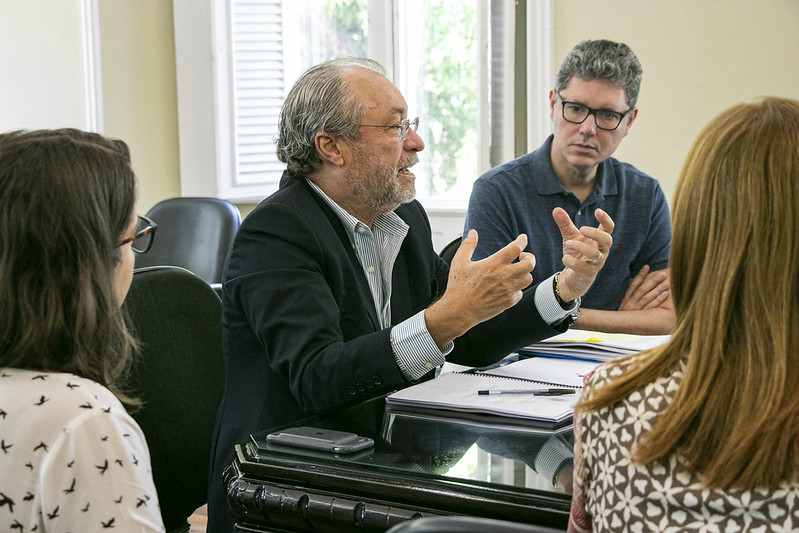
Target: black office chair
(448,252)
(178,319)
(466,524)
(193,233)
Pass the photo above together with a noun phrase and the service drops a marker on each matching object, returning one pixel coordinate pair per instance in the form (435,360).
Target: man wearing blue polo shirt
(592,108)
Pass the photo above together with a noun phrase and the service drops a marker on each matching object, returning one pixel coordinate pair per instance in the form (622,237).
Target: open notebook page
(558,372)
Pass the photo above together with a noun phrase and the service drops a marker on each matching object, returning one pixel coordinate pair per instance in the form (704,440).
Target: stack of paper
(539,390)
(542,390)
(593,345)
(457,392)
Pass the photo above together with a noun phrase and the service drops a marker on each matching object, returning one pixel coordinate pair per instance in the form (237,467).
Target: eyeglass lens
(144,239)
(406,125)
(605,119)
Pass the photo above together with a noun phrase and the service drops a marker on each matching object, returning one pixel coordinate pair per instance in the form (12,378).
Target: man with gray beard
(333,293)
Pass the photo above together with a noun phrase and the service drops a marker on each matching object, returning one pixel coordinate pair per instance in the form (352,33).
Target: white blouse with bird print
(71,458)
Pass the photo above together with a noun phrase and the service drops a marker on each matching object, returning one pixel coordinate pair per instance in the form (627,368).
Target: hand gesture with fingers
(479,290)
(585,251)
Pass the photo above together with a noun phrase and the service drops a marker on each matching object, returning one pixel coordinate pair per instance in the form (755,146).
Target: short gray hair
(614,63)
(320,100)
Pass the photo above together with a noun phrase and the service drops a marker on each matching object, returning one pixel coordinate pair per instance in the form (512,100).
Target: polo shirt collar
(547,183)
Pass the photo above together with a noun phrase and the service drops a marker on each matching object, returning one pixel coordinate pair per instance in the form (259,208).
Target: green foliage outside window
(351,21)
(450,89)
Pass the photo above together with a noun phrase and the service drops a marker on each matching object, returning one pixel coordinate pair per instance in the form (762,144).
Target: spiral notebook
(461,391)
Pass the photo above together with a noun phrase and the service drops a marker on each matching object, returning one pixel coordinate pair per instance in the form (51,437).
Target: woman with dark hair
(71,457)
(702,433)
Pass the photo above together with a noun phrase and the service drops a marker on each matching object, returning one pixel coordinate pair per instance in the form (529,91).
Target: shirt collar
(389,222)
(547,181)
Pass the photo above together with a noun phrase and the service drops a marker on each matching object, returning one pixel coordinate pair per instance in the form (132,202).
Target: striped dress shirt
(377,249)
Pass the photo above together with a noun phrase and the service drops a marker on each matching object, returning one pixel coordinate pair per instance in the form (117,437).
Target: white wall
(45,66)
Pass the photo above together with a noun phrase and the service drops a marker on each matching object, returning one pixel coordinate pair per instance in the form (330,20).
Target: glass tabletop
(435,445)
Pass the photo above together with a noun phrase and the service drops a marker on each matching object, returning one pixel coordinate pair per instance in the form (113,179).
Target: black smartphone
(327,440)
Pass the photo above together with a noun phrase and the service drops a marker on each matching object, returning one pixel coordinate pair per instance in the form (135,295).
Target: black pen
(535,392)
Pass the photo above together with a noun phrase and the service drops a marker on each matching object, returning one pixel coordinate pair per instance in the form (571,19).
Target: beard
(381,187)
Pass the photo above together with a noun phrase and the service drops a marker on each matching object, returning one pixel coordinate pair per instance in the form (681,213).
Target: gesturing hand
(491,285)
(584,252)
(479,290)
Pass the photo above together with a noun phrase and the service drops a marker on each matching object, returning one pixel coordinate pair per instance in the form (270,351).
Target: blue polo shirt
(519,196)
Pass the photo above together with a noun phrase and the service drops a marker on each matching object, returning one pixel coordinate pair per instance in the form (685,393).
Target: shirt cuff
(414,349)
(553,456)
(547,303)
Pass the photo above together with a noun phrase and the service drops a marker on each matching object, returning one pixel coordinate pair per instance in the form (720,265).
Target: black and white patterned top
(611,493)
(71,458)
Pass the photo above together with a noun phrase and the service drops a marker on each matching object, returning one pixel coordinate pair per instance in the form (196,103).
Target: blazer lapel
(363,284)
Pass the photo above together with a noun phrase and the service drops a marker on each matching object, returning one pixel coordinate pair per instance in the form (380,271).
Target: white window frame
(205,121)
(540,73)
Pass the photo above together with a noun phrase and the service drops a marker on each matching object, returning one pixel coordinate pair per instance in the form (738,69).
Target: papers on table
(459,393)
(593,345)
(533,388)
(564,373)
(539,389)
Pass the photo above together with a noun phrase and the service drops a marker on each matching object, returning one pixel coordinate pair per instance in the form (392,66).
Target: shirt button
(429,366)
(361,230)
(370,269)
(580,212)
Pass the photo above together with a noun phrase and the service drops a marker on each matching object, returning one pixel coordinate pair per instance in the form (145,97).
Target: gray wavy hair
(319,101)
(614,63)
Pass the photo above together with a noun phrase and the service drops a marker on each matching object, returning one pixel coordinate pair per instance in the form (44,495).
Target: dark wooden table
(424,463)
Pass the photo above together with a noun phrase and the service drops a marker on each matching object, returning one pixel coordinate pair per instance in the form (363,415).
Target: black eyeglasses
(143,238)
(402,128)
(605,119)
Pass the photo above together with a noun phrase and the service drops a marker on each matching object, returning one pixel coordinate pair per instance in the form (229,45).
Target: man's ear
(331,149)
(633,115)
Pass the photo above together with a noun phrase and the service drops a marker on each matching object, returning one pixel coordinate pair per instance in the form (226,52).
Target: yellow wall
(699,57)
(139,91)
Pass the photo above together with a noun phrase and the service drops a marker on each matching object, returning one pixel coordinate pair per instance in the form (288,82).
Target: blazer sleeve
(290,278)
(488,342)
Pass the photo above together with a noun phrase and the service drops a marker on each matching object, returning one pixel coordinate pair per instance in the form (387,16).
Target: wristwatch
(572,317)
(574,305)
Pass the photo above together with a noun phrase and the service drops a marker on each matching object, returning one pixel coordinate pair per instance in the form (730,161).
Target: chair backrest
(448,252)
(193,233)
(466,524)
(180,377)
